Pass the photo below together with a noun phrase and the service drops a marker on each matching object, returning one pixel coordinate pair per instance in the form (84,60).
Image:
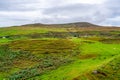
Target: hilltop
(75,24)
(38,30)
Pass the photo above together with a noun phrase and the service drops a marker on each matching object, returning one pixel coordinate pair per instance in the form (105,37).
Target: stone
(95,72)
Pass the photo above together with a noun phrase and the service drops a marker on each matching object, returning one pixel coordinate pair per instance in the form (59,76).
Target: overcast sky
(18,12)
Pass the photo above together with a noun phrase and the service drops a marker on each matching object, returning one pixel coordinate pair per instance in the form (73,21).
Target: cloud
(77,12)
(18,12)
(114,13)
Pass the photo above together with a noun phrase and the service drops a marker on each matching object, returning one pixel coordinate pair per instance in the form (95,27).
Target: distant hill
(83,24)
(36,24)
(76,24)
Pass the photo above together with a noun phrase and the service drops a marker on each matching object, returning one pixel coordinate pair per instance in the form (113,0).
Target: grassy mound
(108,71)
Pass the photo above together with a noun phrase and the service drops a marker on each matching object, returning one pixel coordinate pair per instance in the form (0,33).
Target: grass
(43,46)
(28,30)
(70,71)
(82,52)
(61,56)
(52,51)
(107,71)
(4,41)
(81,66)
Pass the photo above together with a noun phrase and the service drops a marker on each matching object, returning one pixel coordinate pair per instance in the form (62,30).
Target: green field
(59,53)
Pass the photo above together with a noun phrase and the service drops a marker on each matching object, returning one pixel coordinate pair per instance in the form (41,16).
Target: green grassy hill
(77,51)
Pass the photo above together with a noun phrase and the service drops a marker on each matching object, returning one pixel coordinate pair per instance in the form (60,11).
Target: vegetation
(59,52)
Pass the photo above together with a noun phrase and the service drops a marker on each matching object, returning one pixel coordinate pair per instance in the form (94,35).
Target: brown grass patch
(23,63)
(43,46)
(88,56)
(110,41)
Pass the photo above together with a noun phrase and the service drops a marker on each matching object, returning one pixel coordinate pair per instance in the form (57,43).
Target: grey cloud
(114,12)
(58,12)
(114,7)
(77,12)
(17,5)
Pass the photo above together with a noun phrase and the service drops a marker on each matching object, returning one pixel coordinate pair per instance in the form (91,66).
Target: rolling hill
(75,24)
(72,51)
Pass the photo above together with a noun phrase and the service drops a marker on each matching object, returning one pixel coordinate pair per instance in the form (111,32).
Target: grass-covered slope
(91,57)
(59,52)
(21,30)
(26,59)
(55,58)
(107,71)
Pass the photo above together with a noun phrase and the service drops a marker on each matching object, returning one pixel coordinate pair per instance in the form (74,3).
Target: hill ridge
(75,24)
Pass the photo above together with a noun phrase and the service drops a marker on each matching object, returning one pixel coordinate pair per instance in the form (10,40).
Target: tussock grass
(44,46)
